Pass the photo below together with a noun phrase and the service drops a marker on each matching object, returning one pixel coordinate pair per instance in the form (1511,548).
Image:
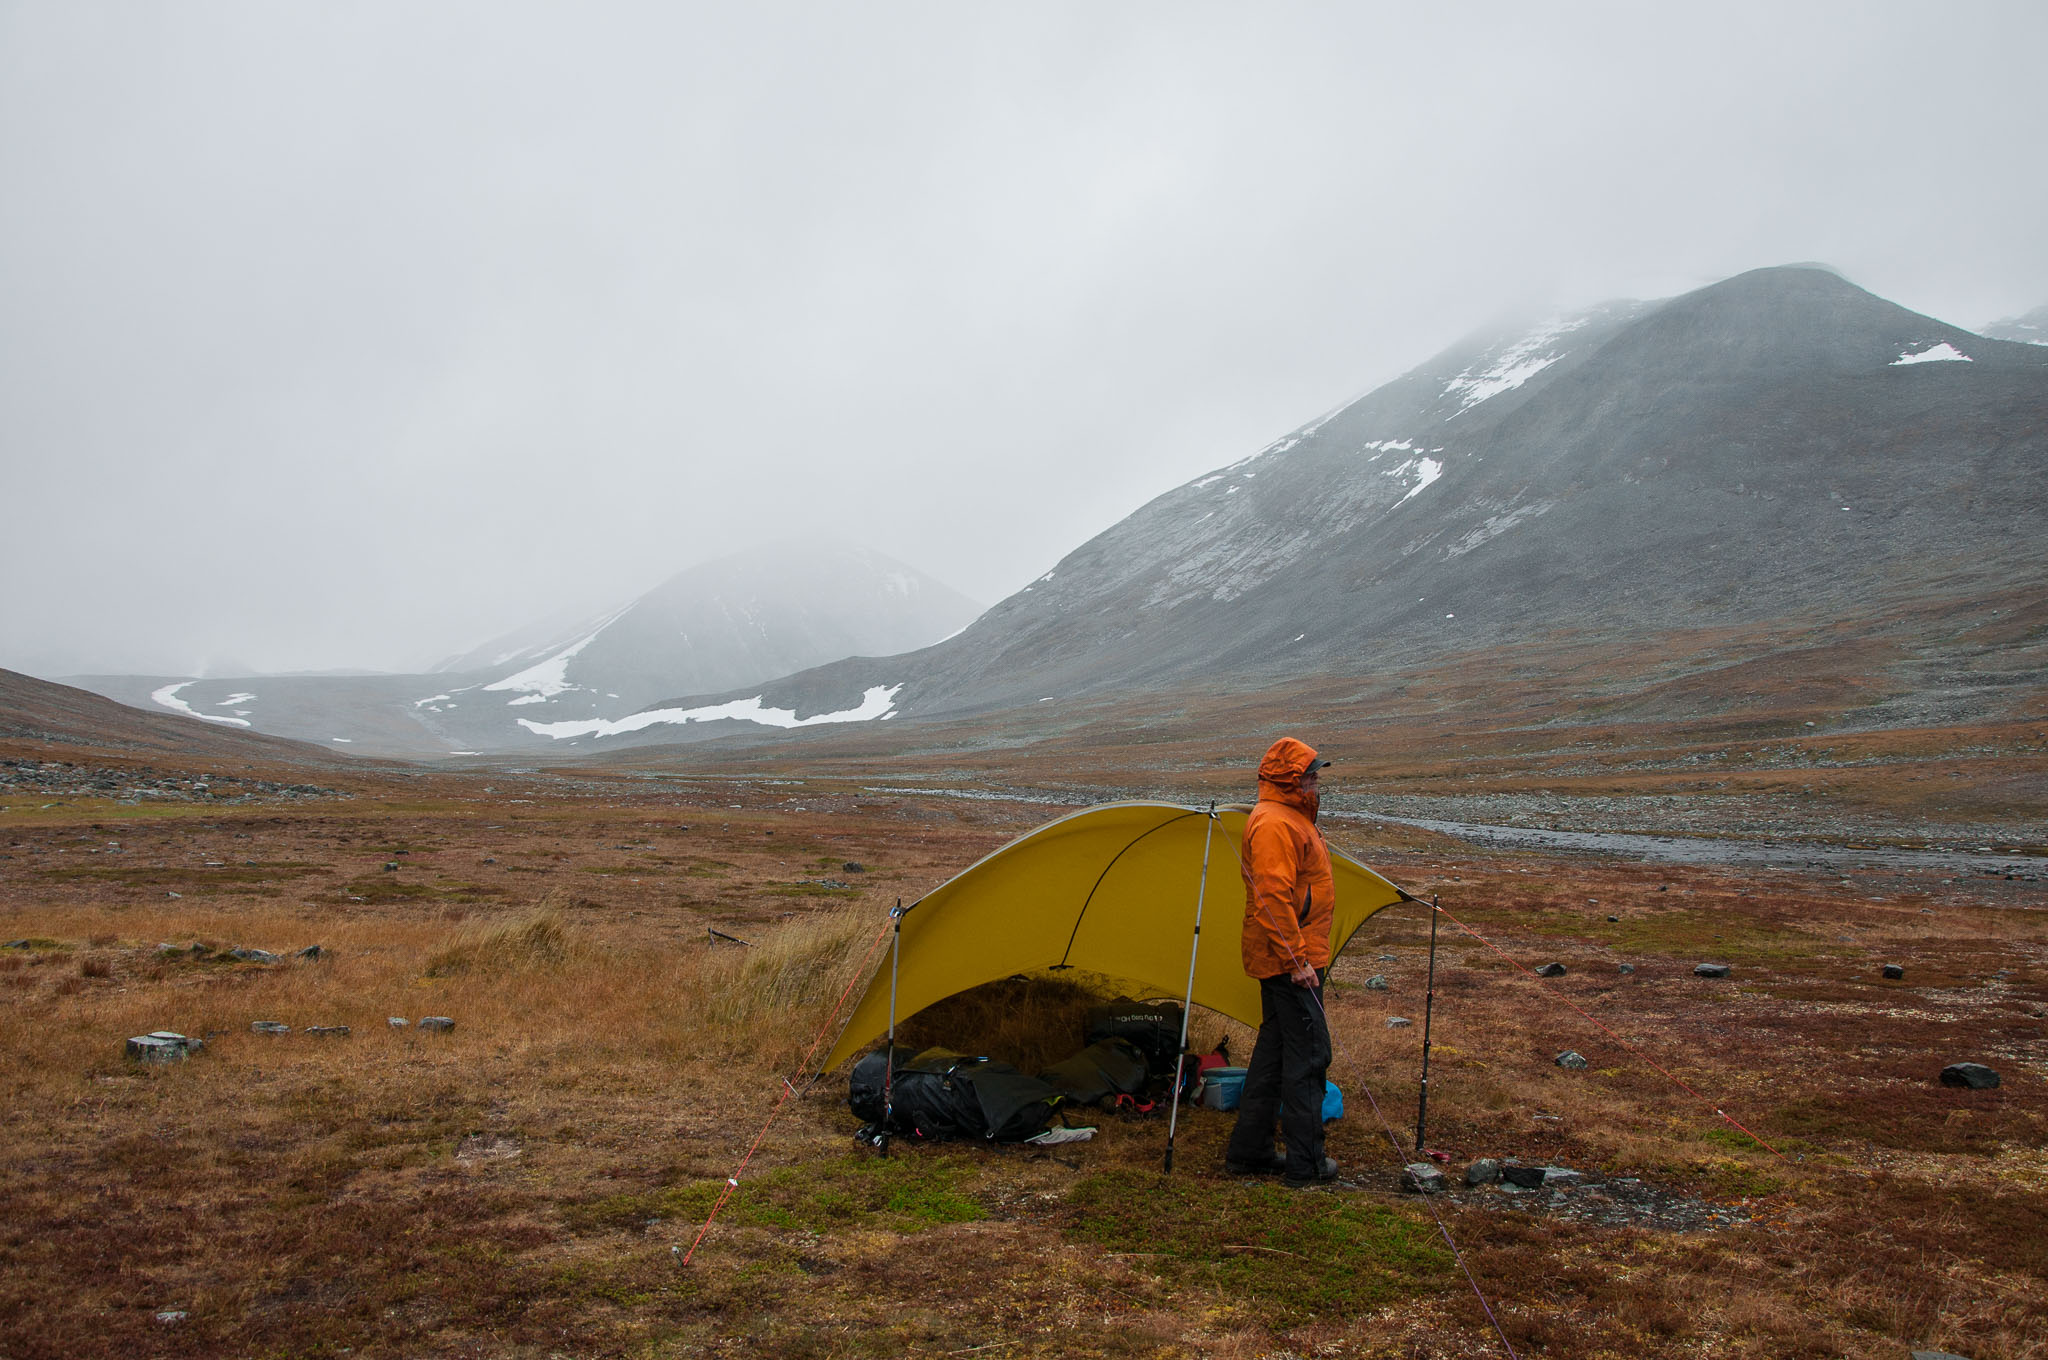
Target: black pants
(1284,1081)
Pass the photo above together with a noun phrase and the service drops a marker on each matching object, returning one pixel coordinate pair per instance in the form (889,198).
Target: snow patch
(168,697)
(345,741)
(551,677)
(879,701)
(1941,353)
(1495,526)
(234,699)
(1514,366)
(430,699)
(1425,471)
(1209,480)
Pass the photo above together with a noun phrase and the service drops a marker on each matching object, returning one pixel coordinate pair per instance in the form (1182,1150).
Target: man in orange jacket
(1289,897)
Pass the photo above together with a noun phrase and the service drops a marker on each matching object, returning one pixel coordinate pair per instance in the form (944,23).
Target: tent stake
(1187,1002)
(889,1061)
(1428,1010)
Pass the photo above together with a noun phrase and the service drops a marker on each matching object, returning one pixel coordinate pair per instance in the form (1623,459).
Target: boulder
(252,956)
(398,1022)
(328,1031)
(1522,1177)
(852,866)
(436,1024)
(1894,971)
(1937,1355)
(1485,1171)
(1628,968)
(1570,1058)
(311,952)
(269,1027)
(1422,1178)
(1398,1022)
(1376,983)
(1974,1076)
(1711,970)
(1551,970)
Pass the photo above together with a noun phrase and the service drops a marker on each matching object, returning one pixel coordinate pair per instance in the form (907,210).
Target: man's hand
(1304,976)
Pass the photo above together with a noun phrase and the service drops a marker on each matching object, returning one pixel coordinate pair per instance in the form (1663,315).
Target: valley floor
(527,1183)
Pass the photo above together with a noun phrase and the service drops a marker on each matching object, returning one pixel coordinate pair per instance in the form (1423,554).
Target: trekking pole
(1428,1010)
(889,1052)
(1180,1055)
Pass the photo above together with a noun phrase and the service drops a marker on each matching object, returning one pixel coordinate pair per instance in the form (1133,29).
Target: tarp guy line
(1441,1227)
(732,1182)
(1315,995)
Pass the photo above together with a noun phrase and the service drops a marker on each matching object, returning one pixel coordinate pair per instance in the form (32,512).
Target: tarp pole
(889,1058)
(1428,1010)
(1188,1001)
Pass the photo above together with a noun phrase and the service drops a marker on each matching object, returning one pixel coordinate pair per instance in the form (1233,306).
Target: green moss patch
(1300,1254)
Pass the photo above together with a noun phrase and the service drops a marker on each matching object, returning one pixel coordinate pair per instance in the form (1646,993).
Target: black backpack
(940,1094)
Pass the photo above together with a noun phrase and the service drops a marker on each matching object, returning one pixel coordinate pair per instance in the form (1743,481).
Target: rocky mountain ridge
(1779,446)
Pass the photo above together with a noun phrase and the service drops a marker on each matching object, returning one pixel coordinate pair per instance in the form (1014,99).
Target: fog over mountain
(349,336)
(1781,447)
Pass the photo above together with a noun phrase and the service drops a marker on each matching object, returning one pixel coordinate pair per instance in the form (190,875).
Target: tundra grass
(527,1183)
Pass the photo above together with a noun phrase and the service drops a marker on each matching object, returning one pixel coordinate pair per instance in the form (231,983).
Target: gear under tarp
(1110,890)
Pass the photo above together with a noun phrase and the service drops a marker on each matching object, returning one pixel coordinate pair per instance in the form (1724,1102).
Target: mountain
(40,719)
(742,619)
(1781,446)
(2030,329)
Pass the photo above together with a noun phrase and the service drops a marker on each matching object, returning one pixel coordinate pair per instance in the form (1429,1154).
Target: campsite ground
(525,1184)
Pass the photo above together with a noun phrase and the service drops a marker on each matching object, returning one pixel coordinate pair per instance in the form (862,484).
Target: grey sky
(352,334)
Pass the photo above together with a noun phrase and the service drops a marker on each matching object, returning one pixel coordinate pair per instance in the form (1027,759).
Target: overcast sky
(353,334)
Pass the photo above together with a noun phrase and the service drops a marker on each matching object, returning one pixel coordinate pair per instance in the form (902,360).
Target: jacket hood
(1280,774)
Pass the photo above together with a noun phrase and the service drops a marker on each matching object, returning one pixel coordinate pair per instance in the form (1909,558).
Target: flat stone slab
(1713,970)
(1398,1022)
(436,1024)
(1974,1076)
(1422,1178)
(328,1031)
(269,1027)
(163,1046)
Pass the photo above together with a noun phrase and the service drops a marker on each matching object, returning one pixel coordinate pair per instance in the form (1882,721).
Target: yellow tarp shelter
(1110,890)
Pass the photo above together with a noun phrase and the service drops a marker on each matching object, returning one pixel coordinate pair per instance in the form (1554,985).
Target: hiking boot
(1273,1164)
(1325,1173)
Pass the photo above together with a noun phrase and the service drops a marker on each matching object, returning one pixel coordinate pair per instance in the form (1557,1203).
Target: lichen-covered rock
(1485,1171)
(1572,1059)
(1711,970)
(437,1024)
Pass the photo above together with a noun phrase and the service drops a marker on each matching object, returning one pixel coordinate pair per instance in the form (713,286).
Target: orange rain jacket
(1289,892)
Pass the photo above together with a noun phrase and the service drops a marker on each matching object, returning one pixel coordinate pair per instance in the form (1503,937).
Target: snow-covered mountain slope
(738,620)
(1778,445)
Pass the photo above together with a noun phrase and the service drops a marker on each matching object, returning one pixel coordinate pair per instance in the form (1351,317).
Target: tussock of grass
(538,939)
